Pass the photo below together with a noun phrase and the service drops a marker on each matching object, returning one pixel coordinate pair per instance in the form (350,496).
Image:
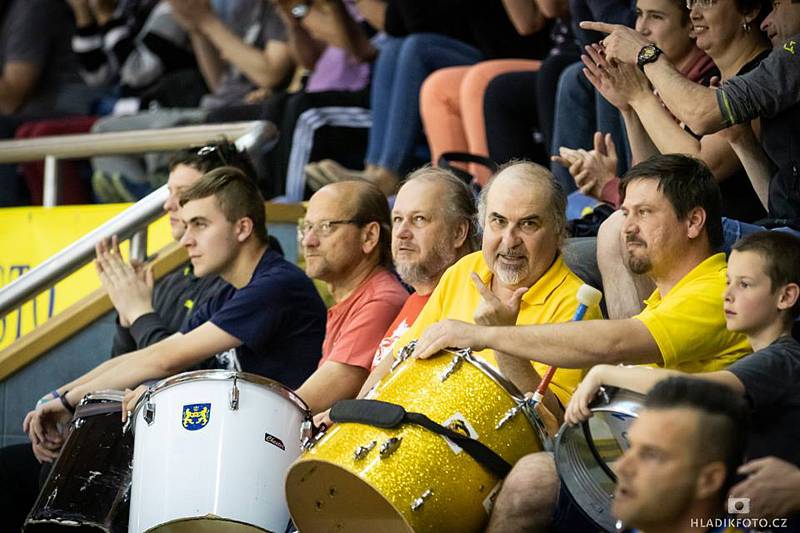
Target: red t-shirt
(358,323)
(406,317)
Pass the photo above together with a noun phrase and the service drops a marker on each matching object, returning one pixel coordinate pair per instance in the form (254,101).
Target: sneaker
(104,191)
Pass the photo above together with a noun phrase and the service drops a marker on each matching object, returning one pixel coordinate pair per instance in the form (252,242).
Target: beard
(638,264)
(511,275)
(427,269)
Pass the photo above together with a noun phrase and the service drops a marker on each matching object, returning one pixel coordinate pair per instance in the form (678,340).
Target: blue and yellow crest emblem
(196,416)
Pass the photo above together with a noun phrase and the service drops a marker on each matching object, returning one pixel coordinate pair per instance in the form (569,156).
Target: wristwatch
(648,54)
(299,11)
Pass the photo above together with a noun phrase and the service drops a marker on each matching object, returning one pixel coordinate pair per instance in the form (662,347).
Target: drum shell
(384,490)
(88,483)
(230,469)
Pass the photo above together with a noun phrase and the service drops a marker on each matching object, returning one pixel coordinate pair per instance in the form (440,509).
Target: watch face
(299,10)
(648,54)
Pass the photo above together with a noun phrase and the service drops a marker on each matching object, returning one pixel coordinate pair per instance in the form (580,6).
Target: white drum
(210,451)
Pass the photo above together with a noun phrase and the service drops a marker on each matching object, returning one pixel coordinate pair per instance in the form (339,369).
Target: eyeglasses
(214,151)
(323,228)
(703,4)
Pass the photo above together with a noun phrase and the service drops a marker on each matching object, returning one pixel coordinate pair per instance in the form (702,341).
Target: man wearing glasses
(346,240)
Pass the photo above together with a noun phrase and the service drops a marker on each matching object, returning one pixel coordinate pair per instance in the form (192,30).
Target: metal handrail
(53,148)
(130,221)
(124,142)
(77,254)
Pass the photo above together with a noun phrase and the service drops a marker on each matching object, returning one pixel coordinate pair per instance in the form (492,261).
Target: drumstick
(587,297)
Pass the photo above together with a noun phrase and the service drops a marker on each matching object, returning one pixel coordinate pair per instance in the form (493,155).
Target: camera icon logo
(738,505)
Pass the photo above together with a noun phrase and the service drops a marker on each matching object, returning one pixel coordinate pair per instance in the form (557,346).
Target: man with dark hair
(280,340)
(346,239)
(682,325)
(761,300)
(685,447)
(146,314)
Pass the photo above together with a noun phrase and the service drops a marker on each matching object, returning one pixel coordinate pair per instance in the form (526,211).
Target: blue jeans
(403,64)
(733,230)
(580,111)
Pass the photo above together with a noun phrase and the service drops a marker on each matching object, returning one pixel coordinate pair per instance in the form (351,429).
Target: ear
(751,15)
(788,295)
(710,480)
(243,228)
(695,222)
(370,237)
(461,234)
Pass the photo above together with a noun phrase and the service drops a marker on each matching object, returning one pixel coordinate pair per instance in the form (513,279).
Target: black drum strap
(475,448)
(387,415)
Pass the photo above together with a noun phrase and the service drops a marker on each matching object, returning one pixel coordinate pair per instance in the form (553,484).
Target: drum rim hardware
(362,451)
(390,446)
(220,375)
(233,402)
(417,504)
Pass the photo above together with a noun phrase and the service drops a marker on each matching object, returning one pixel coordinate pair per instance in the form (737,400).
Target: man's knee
(608,237)
(518,499)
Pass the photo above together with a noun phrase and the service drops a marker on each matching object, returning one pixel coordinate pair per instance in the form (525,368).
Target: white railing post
(52,185)
(138,251)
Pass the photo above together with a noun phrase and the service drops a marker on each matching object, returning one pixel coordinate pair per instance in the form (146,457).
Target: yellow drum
(360,478)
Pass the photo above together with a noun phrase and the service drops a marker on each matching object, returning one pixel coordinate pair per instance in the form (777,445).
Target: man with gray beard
(519,276)
(433,226)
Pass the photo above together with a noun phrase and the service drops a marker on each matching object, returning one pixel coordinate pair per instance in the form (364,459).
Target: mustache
(634,239)
(512,253)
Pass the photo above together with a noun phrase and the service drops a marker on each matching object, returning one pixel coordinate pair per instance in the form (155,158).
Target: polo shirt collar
(539,291)
(714,263)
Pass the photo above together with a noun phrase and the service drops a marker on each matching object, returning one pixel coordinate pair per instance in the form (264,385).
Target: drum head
(207,524)
(325,497)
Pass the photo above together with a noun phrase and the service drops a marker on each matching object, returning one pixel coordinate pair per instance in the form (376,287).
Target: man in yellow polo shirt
(518,277)
(671,230)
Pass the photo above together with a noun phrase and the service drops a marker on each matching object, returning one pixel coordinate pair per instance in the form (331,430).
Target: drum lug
(363,451)
(390,446)
(307,434)
(234,399)
(77,423)
(417,504)
(527,403)
(404,353)
(603,395)
(455,364)
(149,414)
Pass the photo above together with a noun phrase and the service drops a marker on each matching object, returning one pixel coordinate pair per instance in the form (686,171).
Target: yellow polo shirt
(553,298)
(688,323)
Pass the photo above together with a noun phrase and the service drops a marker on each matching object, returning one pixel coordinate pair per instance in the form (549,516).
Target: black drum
(585,454)
(88,486)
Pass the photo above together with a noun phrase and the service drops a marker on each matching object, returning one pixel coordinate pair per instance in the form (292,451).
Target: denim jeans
(402,65)
(580,111)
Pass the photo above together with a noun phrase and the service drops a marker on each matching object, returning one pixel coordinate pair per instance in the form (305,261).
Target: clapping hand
(128,285)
